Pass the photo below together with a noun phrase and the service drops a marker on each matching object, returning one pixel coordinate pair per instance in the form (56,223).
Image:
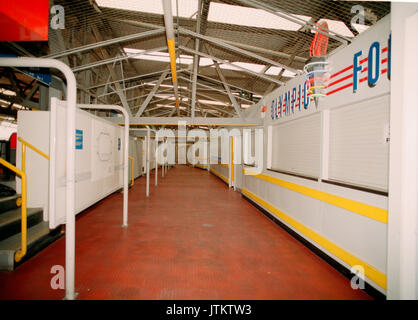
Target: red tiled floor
(192,239)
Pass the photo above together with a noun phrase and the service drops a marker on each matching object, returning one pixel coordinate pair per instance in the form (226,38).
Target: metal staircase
(38,233)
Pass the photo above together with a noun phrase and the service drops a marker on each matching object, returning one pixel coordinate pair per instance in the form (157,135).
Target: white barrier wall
(99,159)
(33,127)
(143,153)
(325,172)
(135,151)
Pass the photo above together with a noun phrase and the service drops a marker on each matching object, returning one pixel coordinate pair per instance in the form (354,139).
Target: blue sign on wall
(118,143)
(79,139)
(40,74)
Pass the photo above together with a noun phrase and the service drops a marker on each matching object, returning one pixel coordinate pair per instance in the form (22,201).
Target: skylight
(274,71)
(187,8)
(203,62)
(250,17)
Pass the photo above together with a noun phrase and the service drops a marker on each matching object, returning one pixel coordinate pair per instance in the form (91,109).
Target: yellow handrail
(25,143)
(20,253)
(133,162)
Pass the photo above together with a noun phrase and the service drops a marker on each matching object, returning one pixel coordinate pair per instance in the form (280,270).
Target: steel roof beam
(237,107)
(196,57)
(211,105)
(151,94)
(237,44)
(145,95)
(156,73)
(117,58)
(232,65)
(295,19)
(220,82)
(103,43)
(234,122)
(235,49)
(214,89)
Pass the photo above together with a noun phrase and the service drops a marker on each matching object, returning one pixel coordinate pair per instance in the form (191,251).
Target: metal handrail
(70,158)
(133,168)
(25,143)
(20,253)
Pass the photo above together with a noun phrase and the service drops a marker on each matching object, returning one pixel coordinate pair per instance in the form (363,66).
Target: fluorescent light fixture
(165,57)
(204,62)
(8,92)
(187,8)
(169,96)
(288,74)
(250,17)
(250,66)
(216,103)
(163,85)
(338,27)
(245,106)
(273,71)
(360,27)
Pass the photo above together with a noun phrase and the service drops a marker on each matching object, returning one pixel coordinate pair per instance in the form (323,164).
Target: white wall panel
(359,152)
(296,146)
(33,127)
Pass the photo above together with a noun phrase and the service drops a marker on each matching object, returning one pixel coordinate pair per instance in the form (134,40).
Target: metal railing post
(133,170)
(70,157)
(148,159)
(156,161)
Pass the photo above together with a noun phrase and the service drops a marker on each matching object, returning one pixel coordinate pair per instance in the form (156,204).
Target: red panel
(13,140)
(24,20)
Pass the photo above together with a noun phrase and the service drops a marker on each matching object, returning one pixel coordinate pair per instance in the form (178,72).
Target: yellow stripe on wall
(370,272)
(216,173)
(363,209)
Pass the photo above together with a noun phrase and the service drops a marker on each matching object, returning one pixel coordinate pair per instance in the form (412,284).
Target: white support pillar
(70,159)
(230,162)
(162,167)
(148,159)
(402,272)
(156,161)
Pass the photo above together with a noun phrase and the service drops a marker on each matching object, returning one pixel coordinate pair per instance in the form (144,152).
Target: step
(8,203)
(38,237)
(10,221)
